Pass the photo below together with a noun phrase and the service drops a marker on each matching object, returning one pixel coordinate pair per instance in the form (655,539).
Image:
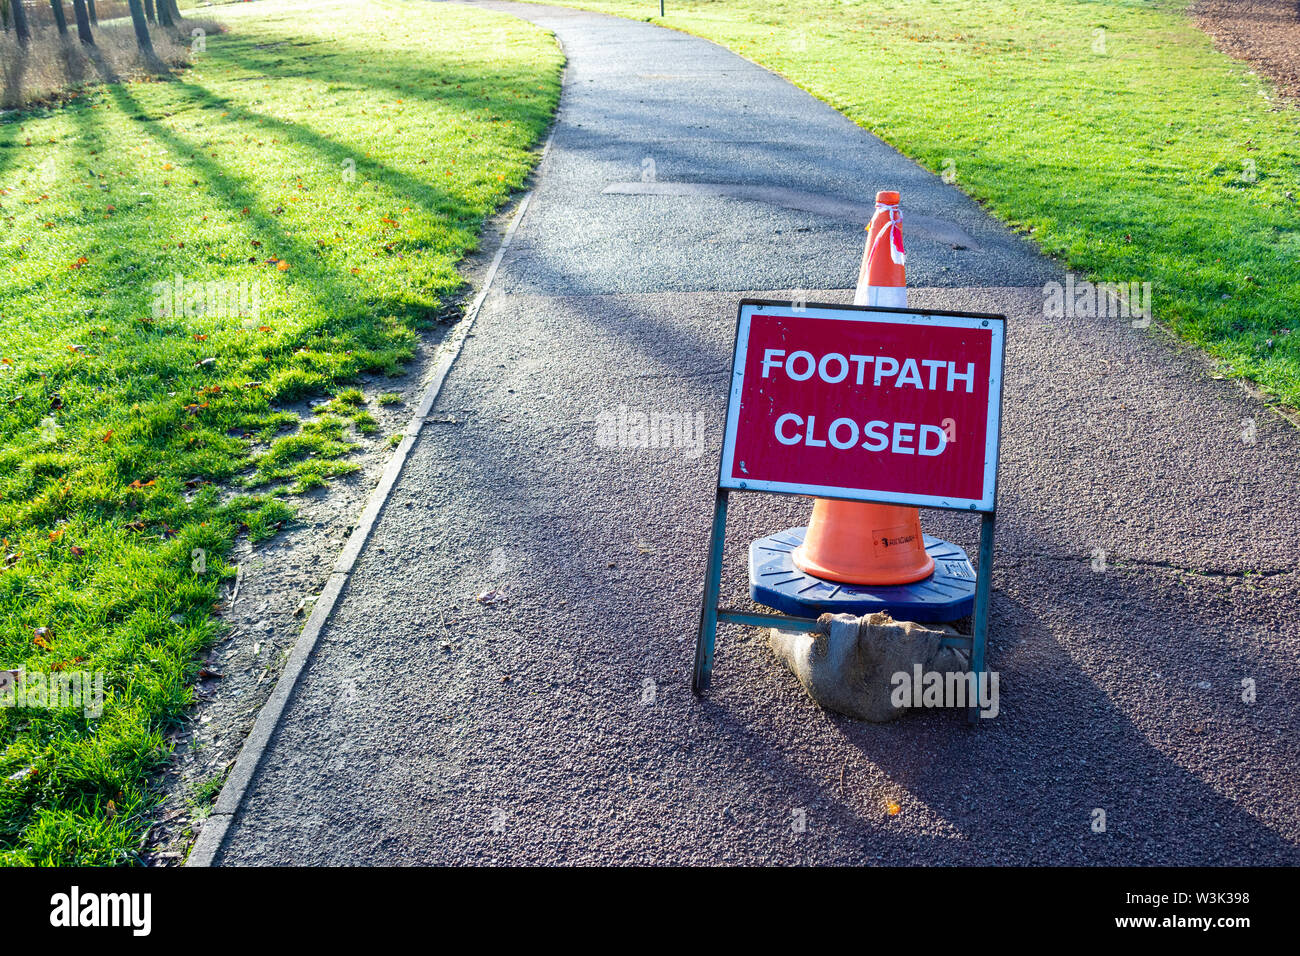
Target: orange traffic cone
(855,542)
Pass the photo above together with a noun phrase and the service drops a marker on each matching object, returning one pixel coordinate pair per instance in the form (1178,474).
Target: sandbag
(848,663)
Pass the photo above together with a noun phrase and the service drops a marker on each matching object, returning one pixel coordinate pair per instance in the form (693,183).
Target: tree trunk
(94,17)
(175,11)
(148,11)
(21,28)
(83,22)
(142,30)
(164,15)
(60,20)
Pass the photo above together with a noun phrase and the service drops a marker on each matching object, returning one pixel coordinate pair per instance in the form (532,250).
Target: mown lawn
(1110,129)
(327,164)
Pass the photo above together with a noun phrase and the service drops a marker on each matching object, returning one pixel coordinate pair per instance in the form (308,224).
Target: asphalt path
(1147,553)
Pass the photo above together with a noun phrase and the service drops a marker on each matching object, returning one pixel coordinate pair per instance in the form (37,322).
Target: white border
(857,314)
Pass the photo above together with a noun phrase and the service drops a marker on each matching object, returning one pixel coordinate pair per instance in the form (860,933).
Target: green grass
(204,796)
(1149,158)
(339,157)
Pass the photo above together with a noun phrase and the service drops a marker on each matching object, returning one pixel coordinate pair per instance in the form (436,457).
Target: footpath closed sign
(887,405)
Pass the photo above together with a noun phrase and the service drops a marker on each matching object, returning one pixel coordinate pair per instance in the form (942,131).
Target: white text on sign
(899,438)
(833,368)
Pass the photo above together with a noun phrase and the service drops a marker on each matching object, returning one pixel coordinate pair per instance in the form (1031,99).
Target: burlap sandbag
(847,664)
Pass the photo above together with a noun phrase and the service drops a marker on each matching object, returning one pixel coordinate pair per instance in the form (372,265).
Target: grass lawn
(1109,129)
(318,174)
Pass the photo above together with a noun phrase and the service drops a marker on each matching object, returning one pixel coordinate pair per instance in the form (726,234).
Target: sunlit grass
(330,163)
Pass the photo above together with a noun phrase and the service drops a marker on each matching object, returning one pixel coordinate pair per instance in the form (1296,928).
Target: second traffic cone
(855,542)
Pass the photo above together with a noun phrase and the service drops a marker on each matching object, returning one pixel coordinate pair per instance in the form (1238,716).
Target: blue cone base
(946,595)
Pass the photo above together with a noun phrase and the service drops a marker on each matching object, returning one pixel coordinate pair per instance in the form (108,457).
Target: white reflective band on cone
(890,297)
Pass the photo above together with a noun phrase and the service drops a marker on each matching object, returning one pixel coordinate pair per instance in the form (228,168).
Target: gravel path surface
(1264,32)
(558,726)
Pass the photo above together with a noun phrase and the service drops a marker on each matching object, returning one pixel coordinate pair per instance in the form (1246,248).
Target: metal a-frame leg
(983,594)
(709,611)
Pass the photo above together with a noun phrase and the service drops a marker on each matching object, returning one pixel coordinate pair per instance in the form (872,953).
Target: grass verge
(1110,130)
(182,265)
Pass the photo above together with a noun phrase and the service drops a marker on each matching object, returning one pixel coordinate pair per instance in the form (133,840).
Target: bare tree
(164,15)
(94,17)
(83,22)
(148,11)
(60,20)
(19,13)
(142,31)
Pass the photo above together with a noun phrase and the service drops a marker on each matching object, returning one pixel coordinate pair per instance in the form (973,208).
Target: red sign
(867,404)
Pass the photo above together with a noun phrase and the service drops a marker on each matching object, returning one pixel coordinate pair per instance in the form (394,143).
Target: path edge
(212,835)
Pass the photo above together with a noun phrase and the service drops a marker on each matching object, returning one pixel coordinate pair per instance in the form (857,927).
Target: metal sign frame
(995,324)
(711,614)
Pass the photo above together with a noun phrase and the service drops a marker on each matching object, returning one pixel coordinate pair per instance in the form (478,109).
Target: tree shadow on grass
(431,79)
(316,277)
(455,209)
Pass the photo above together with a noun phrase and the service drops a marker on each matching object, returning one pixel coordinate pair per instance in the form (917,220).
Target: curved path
(558,726)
